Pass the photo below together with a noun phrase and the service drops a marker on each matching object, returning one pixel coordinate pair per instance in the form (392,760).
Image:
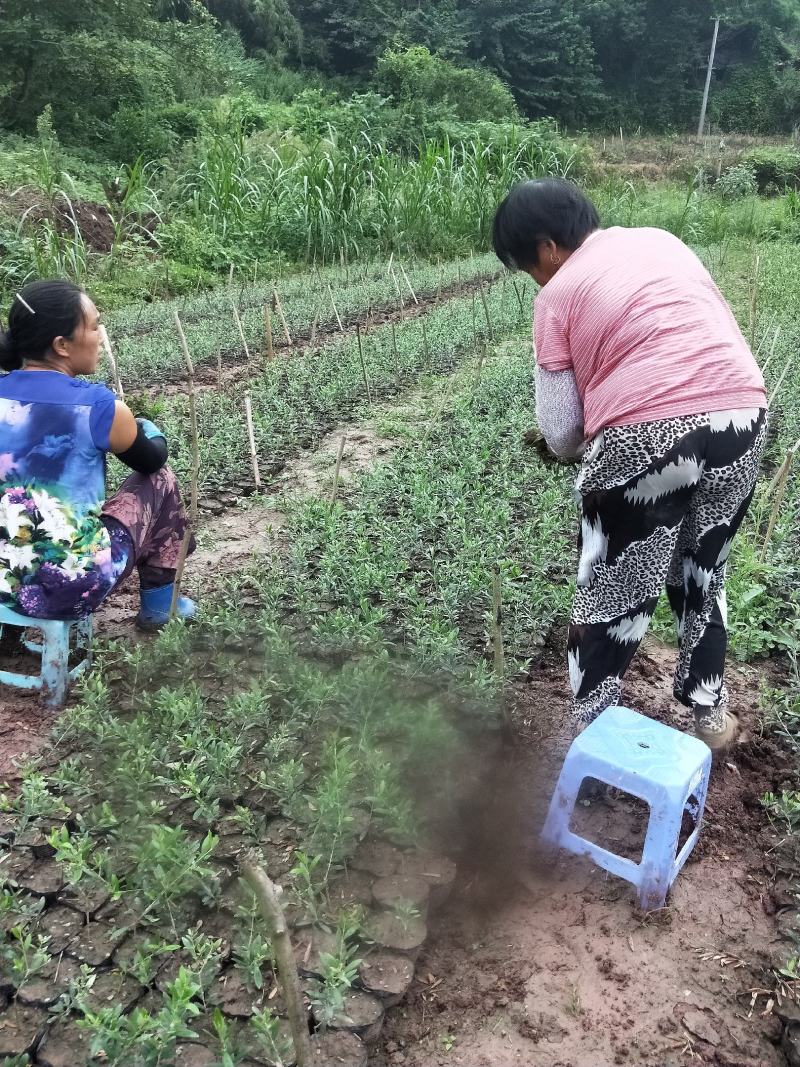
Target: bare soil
(535,964)
(93,220)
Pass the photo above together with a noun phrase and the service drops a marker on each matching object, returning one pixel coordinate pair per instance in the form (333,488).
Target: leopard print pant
(661,503)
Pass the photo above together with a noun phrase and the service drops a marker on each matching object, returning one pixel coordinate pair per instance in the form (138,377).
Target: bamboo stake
(474,323)
(313,342)
(497,625)
(754,301)
(282,317)
(267,896)
(230,277)
(251,437)
(339,453)
(333,305)
(268,331)
(363,364)
(519,295)
(219,370)
(179,569)
(241,331)
(767,493)
(768,360)
(479,373)
(425,347)
(486,312)
(408,283)
(783,478)
(764,336)
(110,356)
(779,383)
(395,353)
(439,285)
(399,293)
(192,419)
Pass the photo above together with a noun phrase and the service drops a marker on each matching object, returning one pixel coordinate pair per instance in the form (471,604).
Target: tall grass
(317,202)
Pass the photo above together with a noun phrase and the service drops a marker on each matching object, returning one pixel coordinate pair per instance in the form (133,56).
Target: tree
(541,49)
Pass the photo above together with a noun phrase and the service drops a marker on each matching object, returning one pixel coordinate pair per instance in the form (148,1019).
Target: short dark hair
(39,313)
(546,209)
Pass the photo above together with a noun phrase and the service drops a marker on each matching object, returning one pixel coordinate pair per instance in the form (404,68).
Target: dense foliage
(160,63)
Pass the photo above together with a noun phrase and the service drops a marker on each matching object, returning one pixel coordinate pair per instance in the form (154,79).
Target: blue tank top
(54,550)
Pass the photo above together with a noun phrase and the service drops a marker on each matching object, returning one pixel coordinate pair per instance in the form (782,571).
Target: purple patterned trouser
(147,512)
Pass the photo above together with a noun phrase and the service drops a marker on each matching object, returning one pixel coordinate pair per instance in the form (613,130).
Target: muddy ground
(535,964)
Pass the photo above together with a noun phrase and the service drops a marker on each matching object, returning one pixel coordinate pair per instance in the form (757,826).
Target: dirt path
(542,965)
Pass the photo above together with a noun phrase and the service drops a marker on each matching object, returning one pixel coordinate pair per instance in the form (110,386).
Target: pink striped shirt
(638,318)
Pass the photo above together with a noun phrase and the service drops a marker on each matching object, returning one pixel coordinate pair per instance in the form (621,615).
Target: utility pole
(702,124)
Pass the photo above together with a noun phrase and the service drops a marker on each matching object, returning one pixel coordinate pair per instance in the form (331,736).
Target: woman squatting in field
(643,373)
(63,546)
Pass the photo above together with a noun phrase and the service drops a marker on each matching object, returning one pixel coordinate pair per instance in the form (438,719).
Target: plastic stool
(55,673)
(666,768)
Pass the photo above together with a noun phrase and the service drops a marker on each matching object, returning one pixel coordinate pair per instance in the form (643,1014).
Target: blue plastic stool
(666,768)
(55,673)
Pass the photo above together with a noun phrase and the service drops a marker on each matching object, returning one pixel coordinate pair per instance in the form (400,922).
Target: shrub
(775,166)
(737,182)
(414,76)
(138,132)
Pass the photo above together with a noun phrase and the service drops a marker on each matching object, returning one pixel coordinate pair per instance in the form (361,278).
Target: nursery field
(372,706)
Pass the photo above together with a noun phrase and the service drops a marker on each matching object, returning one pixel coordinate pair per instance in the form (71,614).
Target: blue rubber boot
(155,605)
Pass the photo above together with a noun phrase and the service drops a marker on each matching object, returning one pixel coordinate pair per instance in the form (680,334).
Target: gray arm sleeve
(559,412)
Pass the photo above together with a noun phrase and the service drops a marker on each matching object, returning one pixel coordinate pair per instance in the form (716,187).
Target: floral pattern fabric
(56,558)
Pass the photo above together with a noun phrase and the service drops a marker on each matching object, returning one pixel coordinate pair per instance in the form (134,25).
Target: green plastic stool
(55,676)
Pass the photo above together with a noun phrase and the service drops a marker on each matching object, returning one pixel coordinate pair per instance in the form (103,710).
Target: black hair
(39,313)
(546,209)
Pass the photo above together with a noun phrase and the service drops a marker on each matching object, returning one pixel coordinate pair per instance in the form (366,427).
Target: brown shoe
(717,726)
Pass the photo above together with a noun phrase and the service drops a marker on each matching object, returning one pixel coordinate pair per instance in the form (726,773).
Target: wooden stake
(497,626)
(268,331)
(395,353)
(339,454)
(267,896)
(425,347)
(282,317)
(230,276)
(363,364)
(479,373)
(179,568)
(251,436)
(195,437)
(313,342)
(474,322)
(408,283)
(333,305)
(519,295)
(768,360)
(754,302)
(219,370)
(783,478)
(399,293)
(110,356)
(241,331)
(779,382)
(486,312)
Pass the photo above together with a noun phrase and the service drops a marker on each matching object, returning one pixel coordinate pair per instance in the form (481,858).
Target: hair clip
(25,303)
